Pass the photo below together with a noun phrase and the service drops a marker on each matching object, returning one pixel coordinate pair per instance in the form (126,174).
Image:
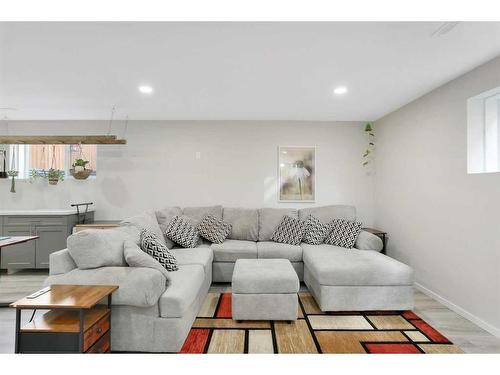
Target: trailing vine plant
(368,155)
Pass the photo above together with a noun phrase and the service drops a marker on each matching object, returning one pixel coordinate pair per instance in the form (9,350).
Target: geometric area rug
(315,332)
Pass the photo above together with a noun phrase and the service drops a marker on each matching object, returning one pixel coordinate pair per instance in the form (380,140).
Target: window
(52,156)
(483,132)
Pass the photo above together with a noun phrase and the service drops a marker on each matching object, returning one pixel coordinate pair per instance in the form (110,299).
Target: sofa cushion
(164,217)
(269,219)
(93,248)
(198,213)
(245,223)
(368,241)
(264,276)
(231,250)
(182,291)
(213,229)
(315,231)
(275,250)
(202,256)
(333,265)
(135,257)
(138,286)
(328,213)
(154,248)
(343,233)
(61,262)
(182,230)
(146,220)
(290,231)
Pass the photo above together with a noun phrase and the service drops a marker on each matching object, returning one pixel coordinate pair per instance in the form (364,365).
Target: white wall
(441,220)
(238,166)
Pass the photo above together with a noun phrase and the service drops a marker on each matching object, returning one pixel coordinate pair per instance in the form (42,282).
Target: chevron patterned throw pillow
(289,231)
(315,231)
(343,233)
(154,248)
(183,231)
(213,229)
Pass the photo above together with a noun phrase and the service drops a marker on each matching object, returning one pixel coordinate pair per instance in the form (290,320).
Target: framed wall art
(297,174)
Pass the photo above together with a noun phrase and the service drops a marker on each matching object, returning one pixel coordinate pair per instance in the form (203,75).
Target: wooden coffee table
(75,323)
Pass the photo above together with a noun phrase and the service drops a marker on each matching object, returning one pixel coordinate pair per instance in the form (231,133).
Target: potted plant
(79,165)
(368,154)
(79,171)
(54,176)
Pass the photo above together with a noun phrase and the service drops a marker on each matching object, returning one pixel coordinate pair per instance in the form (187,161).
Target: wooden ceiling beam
(61,139)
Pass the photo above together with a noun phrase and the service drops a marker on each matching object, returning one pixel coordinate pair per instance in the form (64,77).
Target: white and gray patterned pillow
(182,231)
(315,231)
(152,246)
(290,231)
(343,233)
(213,229)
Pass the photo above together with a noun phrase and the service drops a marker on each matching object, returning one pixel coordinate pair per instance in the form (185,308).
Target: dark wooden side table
(75,322)
(379,233)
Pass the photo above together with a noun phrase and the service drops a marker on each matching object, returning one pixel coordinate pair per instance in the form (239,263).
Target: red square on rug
(225,306)
(196,341)
(392,349)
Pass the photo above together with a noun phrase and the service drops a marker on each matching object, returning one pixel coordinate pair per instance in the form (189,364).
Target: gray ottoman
(264,289)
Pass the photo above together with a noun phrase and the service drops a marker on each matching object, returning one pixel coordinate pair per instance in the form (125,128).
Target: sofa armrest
(137,286)
(368,241)
(61,262)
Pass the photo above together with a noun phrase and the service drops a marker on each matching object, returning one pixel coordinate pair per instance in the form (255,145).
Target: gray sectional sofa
(154,313)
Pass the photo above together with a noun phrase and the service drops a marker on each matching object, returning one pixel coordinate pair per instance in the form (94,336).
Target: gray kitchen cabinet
(53,231)
(22,255)
(52,238)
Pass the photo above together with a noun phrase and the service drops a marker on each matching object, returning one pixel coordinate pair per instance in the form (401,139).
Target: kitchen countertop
(42,212)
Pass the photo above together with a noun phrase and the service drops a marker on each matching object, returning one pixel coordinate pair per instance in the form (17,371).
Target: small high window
(483,132)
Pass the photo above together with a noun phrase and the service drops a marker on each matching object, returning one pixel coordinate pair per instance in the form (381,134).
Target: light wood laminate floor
(468,336)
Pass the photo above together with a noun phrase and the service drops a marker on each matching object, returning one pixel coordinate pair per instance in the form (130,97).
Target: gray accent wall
(442,221)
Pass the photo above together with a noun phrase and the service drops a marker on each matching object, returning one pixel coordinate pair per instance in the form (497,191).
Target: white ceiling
(231,71)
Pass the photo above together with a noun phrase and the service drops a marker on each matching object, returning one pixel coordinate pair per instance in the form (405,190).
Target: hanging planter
(53,176)
(14,171)
(79,170)
(82,174)
(3,157)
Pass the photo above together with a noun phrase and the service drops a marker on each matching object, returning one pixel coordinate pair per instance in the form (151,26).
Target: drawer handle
(99,330)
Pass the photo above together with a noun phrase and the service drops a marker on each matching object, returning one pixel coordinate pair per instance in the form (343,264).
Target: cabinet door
(21,255)
(52,238)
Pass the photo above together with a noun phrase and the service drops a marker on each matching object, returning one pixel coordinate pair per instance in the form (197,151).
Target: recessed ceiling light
(341,90)
(145,89)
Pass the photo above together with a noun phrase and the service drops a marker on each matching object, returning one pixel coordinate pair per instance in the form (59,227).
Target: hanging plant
(53,176)
(368,155)
(79,165)
(79,170)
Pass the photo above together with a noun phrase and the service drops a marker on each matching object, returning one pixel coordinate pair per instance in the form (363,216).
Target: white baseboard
(460,311)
